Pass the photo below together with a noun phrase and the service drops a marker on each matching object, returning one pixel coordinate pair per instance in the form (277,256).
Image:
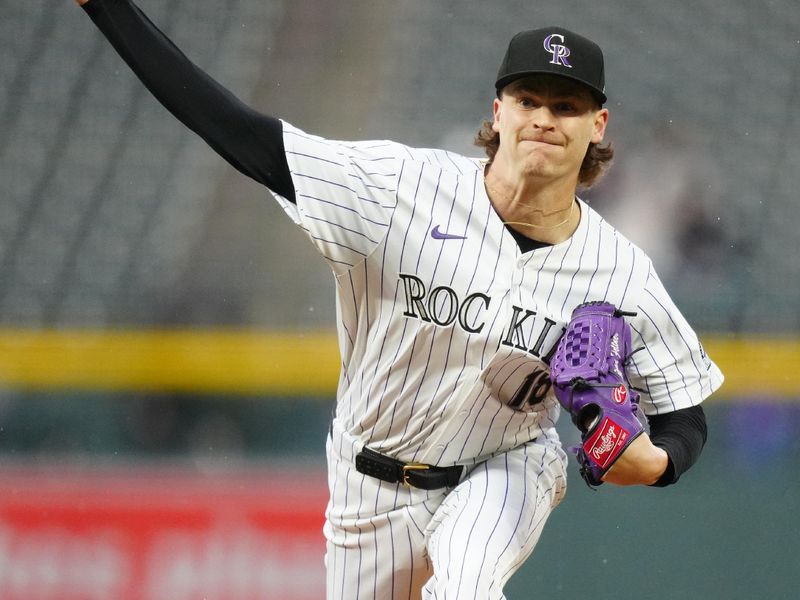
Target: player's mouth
(539,141)
(538,147)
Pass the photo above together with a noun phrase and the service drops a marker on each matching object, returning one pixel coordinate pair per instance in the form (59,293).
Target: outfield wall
(279,363)
(150,533)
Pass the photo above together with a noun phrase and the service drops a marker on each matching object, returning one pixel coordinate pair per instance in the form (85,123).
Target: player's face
(545,126)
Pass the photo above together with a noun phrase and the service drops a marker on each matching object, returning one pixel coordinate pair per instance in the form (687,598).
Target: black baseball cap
(554,51)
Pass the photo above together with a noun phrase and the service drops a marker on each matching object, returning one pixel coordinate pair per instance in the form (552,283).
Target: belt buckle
(412,467)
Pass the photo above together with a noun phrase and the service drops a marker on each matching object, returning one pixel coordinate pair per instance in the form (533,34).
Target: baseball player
(456,279)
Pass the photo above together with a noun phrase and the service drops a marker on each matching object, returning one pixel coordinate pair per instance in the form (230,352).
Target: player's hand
(641,463)
(81,2)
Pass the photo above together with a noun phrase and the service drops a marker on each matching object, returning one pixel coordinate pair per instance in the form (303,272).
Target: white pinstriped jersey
(445,327)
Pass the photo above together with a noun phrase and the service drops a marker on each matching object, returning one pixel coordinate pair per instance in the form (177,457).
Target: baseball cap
(554,51)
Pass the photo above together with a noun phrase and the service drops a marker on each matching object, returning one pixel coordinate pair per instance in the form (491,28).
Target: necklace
(490,189)
(564,222)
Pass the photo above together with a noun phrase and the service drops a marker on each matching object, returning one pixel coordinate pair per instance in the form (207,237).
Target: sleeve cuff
(668,477)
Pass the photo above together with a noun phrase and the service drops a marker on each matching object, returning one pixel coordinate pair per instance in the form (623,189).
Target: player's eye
(565,107)
(526,102)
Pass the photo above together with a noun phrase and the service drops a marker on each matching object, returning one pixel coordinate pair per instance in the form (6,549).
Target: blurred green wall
(727,530)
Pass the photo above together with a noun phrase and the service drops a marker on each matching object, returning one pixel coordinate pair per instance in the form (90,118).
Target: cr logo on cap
(559,51)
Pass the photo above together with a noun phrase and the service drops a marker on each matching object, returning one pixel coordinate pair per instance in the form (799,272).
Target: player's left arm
(675,442)
(674,375)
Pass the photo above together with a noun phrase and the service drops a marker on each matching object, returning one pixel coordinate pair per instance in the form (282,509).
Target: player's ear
(497,106)
(600,122)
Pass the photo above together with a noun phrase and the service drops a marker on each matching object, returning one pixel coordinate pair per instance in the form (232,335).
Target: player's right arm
(341,195)
(250,141)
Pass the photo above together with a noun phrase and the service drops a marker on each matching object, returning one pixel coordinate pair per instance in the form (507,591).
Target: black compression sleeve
(248,140)
(682,434)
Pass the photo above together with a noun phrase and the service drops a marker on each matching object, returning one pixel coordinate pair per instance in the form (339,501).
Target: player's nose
(543,118)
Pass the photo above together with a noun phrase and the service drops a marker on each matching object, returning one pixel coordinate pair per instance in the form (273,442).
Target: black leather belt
(426,477)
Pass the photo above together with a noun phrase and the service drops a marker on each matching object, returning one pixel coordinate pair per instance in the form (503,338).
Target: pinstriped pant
(389,542)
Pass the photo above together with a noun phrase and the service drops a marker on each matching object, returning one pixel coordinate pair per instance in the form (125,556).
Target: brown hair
(595,163)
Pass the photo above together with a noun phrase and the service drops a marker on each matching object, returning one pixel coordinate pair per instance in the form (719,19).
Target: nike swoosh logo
(439,235)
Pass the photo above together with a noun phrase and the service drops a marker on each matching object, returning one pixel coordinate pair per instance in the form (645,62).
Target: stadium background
(167,358)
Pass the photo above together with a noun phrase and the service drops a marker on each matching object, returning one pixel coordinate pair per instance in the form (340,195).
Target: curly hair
(595,163)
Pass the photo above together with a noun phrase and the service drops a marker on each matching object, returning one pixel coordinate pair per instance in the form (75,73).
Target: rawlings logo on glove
(604,446)
(588,375)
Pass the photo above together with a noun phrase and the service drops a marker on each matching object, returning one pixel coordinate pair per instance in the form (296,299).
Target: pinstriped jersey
(445,326)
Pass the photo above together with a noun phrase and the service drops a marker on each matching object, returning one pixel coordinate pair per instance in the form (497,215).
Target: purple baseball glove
(588,375)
